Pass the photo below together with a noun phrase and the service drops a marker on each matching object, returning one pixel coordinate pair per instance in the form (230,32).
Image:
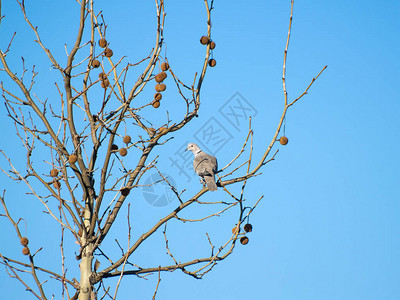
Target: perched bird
(204,165)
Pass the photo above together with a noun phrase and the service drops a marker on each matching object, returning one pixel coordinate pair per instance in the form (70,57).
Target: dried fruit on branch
(57,184)
(157,96)
(212,62)
(156,104)
(283,140)
(73,158)
(127,139)
(212,45)
(114,147)
(95,63)
(54,173)
(24,241)
(123,151)
(248,228)
(102,43)
(160,87)
(204,40)
(244,240)
(105,83)
(25,251)
(108,52)
(164,66)
(125,191)
(160,77)
(152,131)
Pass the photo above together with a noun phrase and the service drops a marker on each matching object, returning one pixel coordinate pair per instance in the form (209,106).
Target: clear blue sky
(328,226)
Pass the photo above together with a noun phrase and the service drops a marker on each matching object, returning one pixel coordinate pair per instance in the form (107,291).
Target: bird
(204,165)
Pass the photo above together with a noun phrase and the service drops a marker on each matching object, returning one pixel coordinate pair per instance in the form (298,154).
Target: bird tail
(210,181)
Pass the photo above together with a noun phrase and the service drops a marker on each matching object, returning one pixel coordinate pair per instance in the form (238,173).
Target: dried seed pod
(283,140)
(212,62)
(24,241)
(164,66)
(235,230)
(160,87)
(160,77)
(73,158)
(157,96)
(102,76)
(212,45)
(244,240)
(156,104)
(114,147)
(102,43)
(123,151)
(248,227)
(108,52)
(127,139)
(95,63)
(57,184)
(80,232)
(152,131)
(105,83)
(54,173)
(25,251)
(125,191)
(204,40)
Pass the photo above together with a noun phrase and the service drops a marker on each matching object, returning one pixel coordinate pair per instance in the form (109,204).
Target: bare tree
(86,180)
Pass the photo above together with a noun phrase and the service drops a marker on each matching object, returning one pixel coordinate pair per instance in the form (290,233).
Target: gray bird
(204,165)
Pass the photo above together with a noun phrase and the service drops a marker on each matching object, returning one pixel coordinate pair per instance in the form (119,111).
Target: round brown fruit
(248,227)
(102,43)
(102,76)
(25,251)
(127,139)
(156,104)
(204,40)
(283,140)
(95,63)
(212,45)
(212,62)
(244,240)
(24,241)
(123,151)
(57,184)
(160,87)
(152,131)
(234,230)
(114,147)
(125,191)
(105,83)
(73,158)
(160,77)
(53,172)
(157,96)
(164,66)
(108,52)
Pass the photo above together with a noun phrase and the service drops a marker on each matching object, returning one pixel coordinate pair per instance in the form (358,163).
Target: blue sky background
(328,226)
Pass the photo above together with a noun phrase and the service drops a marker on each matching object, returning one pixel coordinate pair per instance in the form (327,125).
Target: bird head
(192,147)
